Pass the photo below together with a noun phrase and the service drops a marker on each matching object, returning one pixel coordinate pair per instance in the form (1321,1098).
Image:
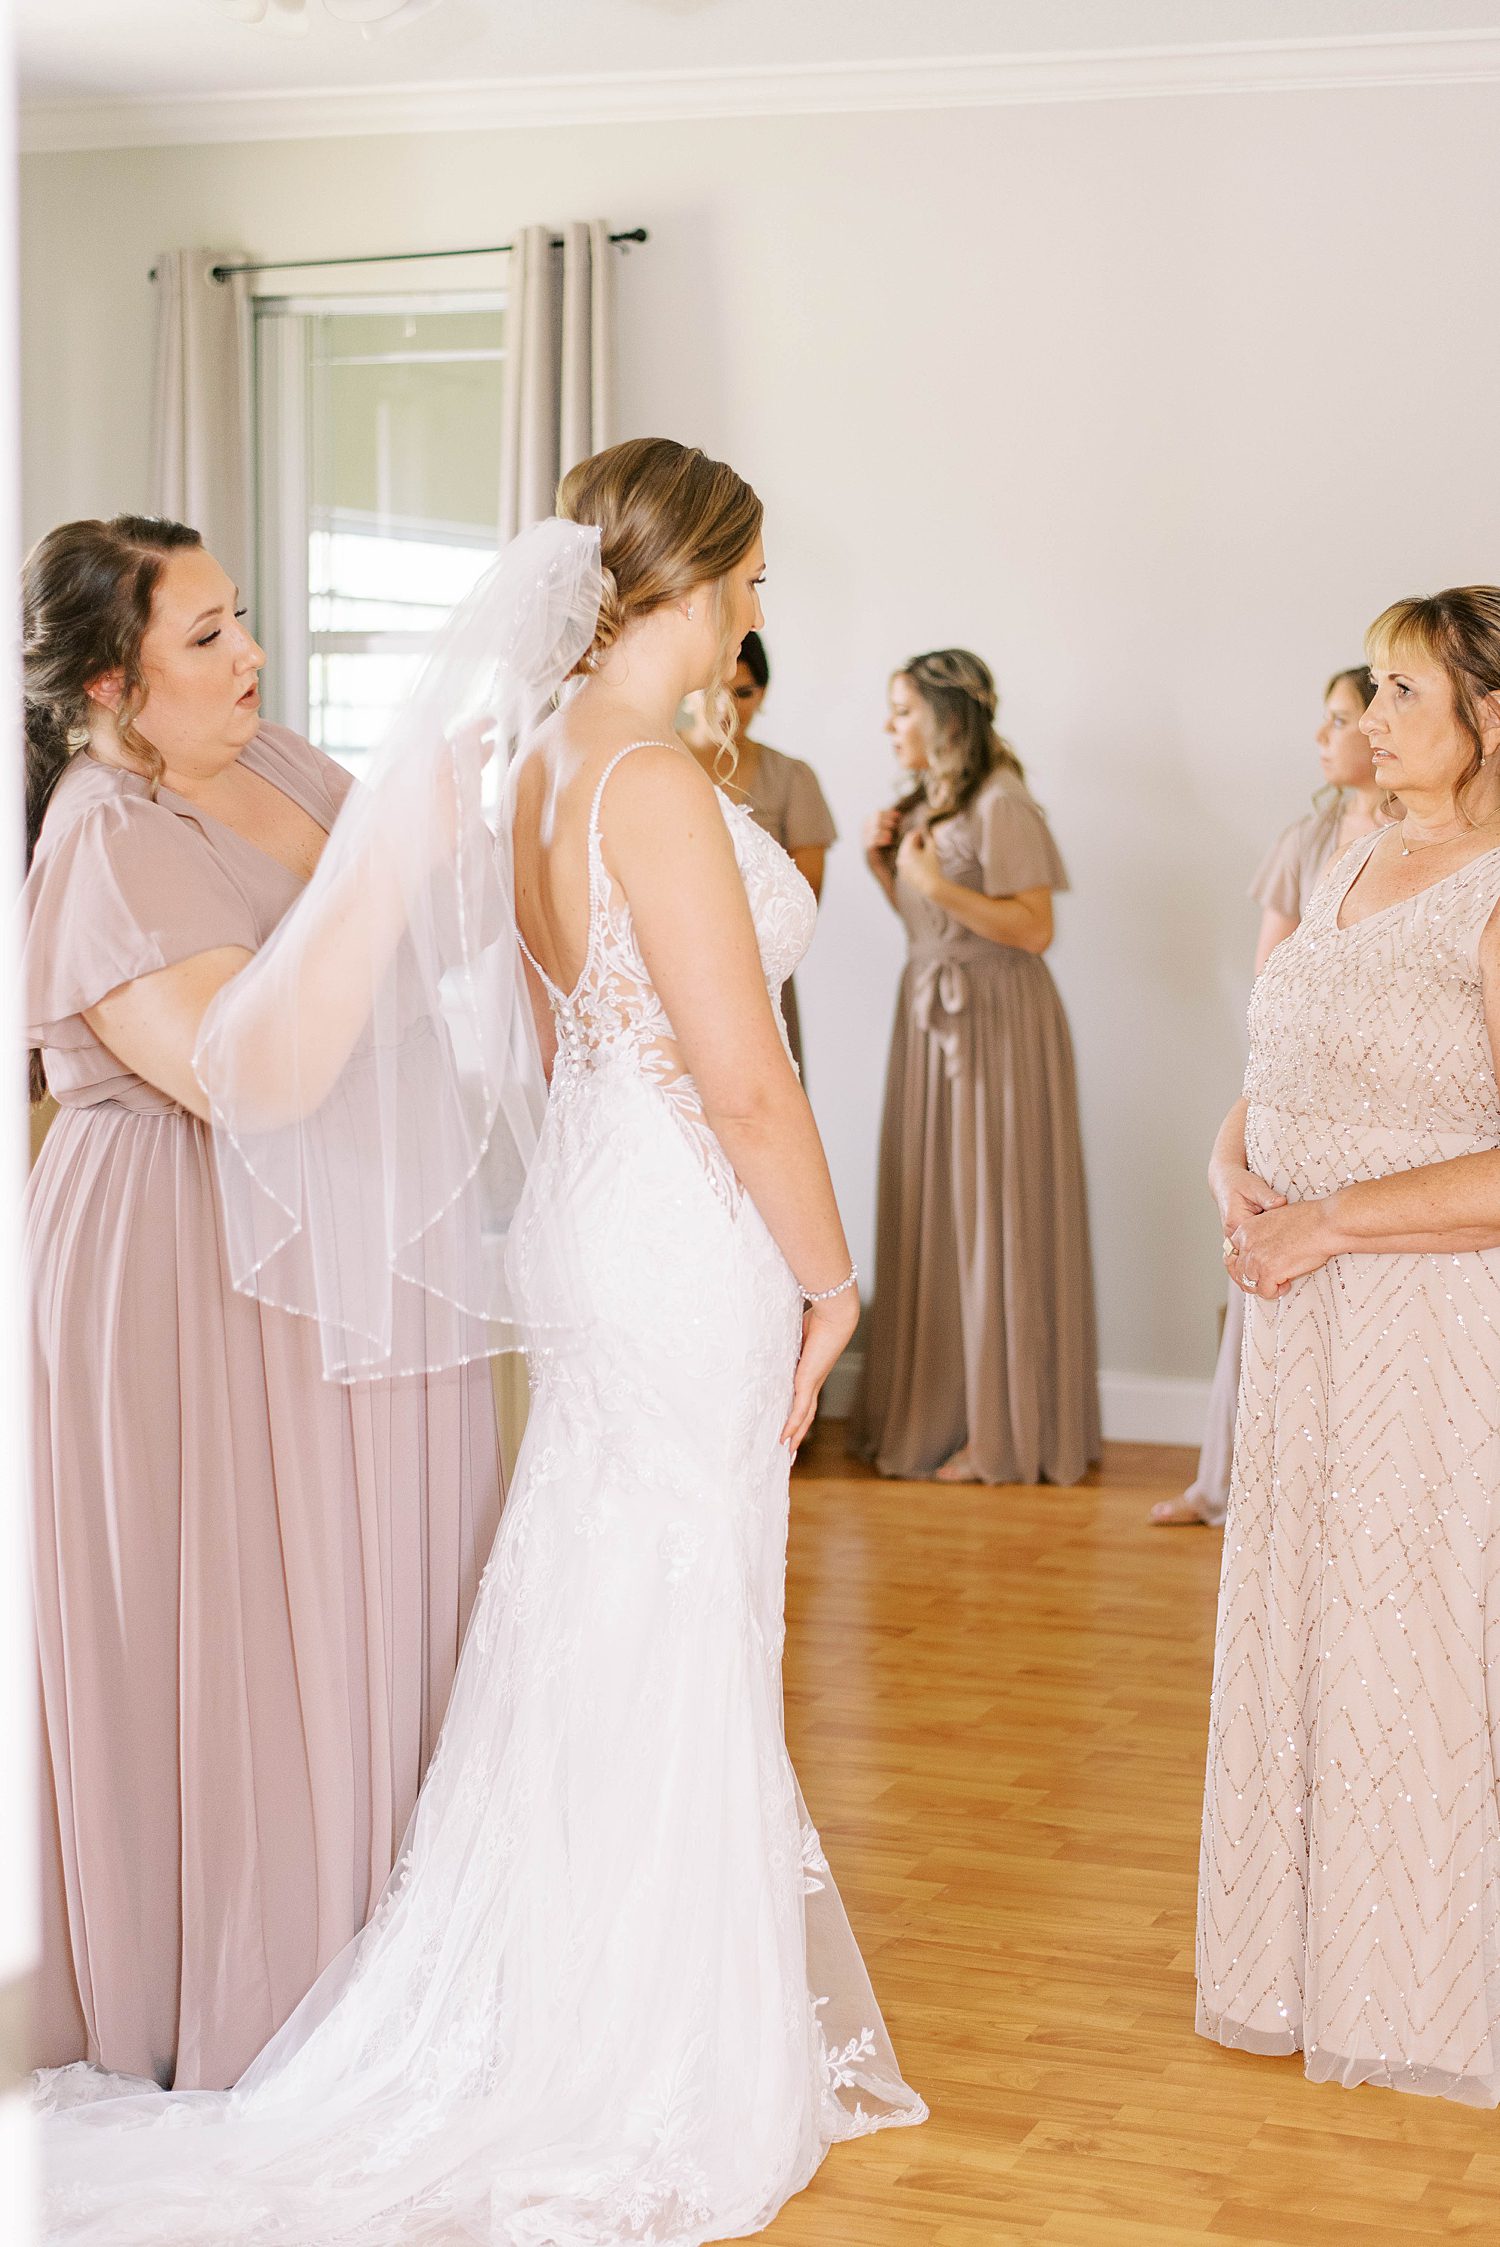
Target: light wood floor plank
(997,1701)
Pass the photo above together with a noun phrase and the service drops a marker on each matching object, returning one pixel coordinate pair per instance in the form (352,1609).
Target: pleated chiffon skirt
(982,1331)
(251,1588)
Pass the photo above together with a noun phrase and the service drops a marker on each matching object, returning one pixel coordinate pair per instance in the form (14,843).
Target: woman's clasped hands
(1269,1241)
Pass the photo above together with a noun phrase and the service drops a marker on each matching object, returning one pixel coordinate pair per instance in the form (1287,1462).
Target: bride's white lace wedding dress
(611,1995)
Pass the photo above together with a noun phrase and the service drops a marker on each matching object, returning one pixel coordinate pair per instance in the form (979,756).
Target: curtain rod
(391,257)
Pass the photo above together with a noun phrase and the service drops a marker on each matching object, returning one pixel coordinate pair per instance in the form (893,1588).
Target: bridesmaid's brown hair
(1460,631)
(87,590)
(669,518)
(959,689)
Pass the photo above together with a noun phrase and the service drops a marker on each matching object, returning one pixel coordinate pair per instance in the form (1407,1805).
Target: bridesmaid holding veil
(251,1583)
(1281,889)
(610,1997)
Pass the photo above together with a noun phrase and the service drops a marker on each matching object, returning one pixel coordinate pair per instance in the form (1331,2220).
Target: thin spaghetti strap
(650,742)
(535,962)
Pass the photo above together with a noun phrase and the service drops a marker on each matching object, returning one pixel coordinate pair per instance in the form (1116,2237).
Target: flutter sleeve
(1016,849)
(1277,887)
(809,822)
(121,890)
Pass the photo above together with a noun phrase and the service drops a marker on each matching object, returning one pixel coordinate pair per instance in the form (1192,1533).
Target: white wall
(1154,403)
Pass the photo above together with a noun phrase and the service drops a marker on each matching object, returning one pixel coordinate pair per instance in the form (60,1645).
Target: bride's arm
(667,844)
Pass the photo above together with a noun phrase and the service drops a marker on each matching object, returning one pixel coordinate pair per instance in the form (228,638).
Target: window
(378,449)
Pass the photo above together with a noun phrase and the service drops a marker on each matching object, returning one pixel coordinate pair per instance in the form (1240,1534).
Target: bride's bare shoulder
(659,768)
(657,789)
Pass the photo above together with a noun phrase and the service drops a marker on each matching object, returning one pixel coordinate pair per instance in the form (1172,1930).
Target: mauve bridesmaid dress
(251,1584)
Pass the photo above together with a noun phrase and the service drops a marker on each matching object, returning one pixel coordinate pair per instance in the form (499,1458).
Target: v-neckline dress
(1349,1900)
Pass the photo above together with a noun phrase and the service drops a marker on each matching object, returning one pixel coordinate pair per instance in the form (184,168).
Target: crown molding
(1442,58)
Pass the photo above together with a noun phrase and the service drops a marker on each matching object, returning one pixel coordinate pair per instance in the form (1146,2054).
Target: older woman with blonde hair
(1351,1834)
(980,1365)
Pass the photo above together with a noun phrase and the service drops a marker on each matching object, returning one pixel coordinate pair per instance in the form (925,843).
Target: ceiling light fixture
(366,16)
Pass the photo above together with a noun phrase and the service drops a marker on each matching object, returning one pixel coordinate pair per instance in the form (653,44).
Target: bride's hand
(827,1330)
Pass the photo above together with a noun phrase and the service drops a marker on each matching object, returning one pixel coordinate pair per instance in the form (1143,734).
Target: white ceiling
(90,50)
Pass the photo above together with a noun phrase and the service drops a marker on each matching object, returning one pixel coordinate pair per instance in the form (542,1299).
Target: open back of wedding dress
(611,1995)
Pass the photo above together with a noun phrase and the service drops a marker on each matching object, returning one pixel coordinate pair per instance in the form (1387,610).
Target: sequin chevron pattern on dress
(1350,1887)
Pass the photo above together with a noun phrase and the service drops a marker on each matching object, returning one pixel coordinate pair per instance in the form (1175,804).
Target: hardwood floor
(997,1704)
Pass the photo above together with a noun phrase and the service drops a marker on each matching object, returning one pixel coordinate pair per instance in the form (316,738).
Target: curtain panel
(202,440)
(559,364)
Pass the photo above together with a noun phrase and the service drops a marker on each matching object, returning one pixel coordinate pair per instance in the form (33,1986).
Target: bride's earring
(690,612)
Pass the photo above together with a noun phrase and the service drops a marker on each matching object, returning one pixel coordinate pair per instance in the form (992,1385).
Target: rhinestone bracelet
(827,1294)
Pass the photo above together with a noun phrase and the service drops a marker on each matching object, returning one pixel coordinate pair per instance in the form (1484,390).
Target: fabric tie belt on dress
(939,991)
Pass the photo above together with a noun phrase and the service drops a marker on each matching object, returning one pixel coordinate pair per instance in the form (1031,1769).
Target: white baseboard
(1136,1407)
(1153,1408)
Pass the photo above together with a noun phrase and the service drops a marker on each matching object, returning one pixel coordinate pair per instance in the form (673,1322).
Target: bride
(610,1995)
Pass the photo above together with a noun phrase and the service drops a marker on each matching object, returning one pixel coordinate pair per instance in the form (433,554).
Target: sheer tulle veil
(374,1076)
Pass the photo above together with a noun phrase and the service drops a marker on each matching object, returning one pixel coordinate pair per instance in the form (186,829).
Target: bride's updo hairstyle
(669,518)
(963,746)
(1460,632)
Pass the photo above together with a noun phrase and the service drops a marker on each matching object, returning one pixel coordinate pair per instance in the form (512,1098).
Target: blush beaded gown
(610,1998)
(1349,1902)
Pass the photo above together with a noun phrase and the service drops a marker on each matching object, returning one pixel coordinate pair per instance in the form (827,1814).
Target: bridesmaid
(781,793)
(251,1585)
(980,1365)
(1281,889)
(1350,1874)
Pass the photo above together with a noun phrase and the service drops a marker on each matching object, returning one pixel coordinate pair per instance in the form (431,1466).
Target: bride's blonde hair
(669,518)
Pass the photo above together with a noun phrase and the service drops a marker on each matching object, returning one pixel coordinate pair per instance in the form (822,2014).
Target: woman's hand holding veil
(372,1074)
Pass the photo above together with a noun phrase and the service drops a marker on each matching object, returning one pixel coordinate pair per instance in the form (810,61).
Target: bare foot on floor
(1171,1513)
(960,1468)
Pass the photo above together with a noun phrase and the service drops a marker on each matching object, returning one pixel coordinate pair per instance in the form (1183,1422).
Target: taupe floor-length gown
(1284,883)
(1349,1903)
(982,1329)
(251,1584)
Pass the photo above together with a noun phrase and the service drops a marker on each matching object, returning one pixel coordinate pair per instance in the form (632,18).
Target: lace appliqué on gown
(613,1017)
